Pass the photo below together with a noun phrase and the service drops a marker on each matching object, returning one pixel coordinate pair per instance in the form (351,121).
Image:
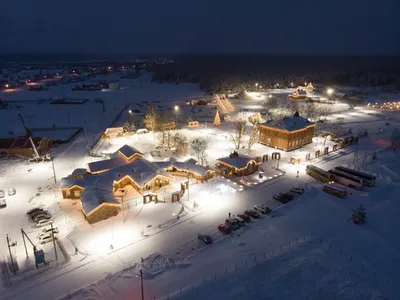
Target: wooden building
(22,146)
(287,134)
(237,165)
(298,94)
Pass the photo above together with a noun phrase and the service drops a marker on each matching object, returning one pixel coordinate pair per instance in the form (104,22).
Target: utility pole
(54,170)
(54,241)
(11,258)
(141,283)
(188,186)
(23,238)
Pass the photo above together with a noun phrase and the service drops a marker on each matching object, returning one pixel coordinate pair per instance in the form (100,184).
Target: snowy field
(308,250)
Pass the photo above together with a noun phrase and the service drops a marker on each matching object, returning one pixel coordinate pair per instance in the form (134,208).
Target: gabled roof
(93,196)
(289,124)
(128,151)
(107,164)
(239,161)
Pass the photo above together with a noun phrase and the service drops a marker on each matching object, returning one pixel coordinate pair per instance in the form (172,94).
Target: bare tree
(180,143)
(151,118)
(199,146)
(253,135)
(237,135)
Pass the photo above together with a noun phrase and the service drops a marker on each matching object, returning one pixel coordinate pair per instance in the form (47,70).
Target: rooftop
(289,123)
(237,161)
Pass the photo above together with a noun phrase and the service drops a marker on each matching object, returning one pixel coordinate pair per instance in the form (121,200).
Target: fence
(354,268)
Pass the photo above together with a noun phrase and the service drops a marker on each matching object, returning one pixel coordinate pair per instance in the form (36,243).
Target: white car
(3,203)
(43,222)
(11,192)
(47,238)
(263,209)
(2,194)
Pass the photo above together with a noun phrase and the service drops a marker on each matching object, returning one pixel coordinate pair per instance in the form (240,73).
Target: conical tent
(217,120)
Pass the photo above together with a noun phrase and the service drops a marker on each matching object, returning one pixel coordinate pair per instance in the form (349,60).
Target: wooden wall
(285,140)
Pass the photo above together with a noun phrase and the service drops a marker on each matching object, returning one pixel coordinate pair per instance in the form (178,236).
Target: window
(77,193)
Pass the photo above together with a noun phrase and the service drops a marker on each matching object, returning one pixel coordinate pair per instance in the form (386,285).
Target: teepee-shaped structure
(217,120)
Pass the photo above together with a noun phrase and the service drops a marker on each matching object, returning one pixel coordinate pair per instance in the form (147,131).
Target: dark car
(205,238)
(279,197)
(32,216)
(224,228)
(245,217)
(288,196)
(252,213)
(34,210)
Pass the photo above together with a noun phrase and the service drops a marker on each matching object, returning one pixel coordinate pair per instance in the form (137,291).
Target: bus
(334,189)
(319,174)
(347,180)
(368,180)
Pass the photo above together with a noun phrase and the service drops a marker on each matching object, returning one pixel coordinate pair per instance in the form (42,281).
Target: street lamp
(330,91)
(176,109)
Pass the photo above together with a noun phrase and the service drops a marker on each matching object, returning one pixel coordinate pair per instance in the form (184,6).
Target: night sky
(321,27)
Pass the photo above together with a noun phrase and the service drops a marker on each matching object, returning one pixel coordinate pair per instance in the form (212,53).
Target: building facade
(287,134)
(237,165)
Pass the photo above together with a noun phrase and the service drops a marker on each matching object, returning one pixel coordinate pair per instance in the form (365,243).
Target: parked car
(297,191)
(280,198)
(41,217)
(252,213)
(11,192)
(34,210)
(240,221)
(263,209)
(2,194)
(38,213)
(288,196)
(47,238)
(232,223)
(224,228)
(43,222)
(3,203)
(245,217)
(48,230)
(205,238)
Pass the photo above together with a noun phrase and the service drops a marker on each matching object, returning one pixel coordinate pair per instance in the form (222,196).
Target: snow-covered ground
(308,250)
(305,250)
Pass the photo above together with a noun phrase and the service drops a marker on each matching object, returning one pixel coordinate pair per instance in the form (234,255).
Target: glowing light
(176,107)
(330,91)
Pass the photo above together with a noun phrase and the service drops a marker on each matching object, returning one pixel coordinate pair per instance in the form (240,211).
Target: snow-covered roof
(239,161)
(107,164)
(128,151)
(93,196)
(190,161)
(192,167)
(289,124)
(79,171)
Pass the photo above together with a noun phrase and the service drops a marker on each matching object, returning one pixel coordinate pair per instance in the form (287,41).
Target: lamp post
(176,109)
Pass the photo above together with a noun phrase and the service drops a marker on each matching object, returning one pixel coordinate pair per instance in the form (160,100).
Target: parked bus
(368,180)
(347,180)
(334,189)
(319,173)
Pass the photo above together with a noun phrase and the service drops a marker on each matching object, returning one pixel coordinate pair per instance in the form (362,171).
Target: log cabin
(288,133)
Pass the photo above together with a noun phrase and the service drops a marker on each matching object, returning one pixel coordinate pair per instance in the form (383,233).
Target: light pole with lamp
(176,109)
(330,92)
